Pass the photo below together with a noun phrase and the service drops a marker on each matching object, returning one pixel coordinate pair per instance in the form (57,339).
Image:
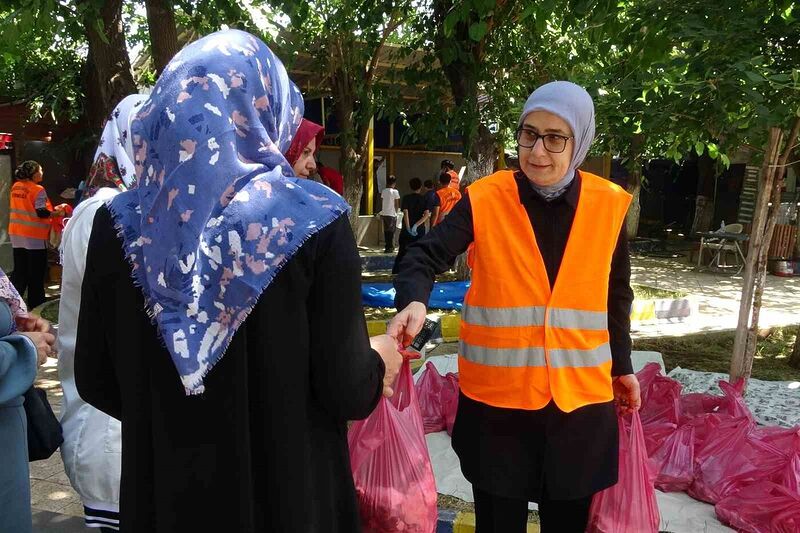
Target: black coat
(264,448)
(530,454)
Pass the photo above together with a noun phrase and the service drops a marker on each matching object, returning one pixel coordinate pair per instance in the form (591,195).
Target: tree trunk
(794,359)
(481,157)
(480,163)
(634,186)
(703,214)
(353,180)
(774,168)
(635,209)
(740,365)
(110,57)
(163,32)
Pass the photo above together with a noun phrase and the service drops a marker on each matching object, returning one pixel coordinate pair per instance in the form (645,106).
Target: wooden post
(369,190)
(740,366)
(501,157)
(607,165)
(391,154)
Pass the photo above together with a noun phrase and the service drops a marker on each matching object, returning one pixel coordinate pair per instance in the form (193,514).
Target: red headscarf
(307,131)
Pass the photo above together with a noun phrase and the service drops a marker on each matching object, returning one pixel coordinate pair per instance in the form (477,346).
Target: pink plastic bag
(791,476)
(429,391)
(660,396)
(438,399)
(730,403)
(675,460)
(655,434)
(450,402)
(391,466)
(736,456)
(630,505)
(764,507)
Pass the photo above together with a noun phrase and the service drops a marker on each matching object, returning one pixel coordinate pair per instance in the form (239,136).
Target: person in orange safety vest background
(544,348)
(448,167)
(448,197)
(29,230)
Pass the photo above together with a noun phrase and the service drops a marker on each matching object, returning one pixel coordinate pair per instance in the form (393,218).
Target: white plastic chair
(722,246)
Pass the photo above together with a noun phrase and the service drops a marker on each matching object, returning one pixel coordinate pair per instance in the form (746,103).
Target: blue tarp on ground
(445,295)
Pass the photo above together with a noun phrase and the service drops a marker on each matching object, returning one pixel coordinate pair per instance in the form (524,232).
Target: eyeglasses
(553,143)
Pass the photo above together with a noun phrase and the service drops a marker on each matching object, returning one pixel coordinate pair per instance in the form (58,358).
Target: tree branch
(392,25)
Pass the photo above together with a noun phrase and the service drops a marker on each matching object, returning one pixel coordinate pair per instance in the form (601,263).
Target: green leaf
(699,147)
(754,76)
(478,30)
(725,160)
(450,22)
(713,151)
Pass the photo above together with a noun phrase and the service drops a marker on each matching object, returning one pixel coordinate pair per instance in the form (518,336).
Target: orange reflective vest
(448,198)
(23,220)
(454,179)
(522,344)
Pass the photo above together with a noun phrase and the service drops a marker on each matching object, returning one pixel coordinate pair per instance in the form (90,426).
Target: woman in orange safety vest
(29,229)
(544,348)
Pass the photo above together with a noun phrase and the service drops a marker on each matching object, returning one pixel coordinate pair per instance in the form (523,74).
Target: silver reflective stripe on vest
(575,319)
(534,356)
(565,357)
(29,223)
(22,212)
(507,357)
(503,317)
(507,317)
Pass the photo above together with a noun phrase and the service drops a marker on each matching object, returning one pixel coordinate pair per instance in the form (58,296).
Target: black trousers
(498,514)
(30,267)
(389,226)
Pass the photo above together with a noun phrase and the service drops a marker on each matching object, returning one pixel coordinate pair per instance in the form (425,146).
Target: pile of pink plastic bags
(711,447)
(707,445)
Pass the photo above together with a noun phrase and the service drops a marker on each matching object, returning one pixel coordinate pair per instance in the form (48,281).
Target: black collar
(527,194)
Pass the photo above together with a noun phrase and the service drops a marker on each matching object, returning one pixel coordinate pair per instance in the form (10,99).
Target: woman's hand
(386,347)
(626,393)
(44,344)
(407,323)
(32,323)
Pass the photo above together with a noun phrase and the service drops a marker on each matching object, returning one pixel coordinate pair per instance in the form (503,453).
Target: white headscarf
(113,161)
(573,104)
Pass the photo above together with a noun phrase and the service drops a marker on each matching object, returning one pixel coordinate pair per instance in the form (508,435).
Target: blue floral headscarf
(217,211)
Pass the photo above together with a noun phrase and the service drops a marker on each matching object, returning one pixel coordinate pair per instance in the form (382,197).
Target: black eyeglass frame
(544,139)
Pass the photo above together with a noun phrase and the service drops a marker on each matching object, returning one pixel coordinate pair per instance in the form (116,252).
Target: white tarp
(679,512)
(771,402)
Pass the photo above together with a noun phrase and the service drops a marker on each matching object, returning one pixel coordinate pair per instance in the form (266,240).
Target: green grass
(643,292)
(49,310)
(711,352)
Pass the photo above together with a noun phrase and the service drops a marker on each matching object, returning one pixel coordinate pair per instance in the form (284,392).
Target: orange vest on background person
(454,179)
(23,220)
(448,198)
(521,344)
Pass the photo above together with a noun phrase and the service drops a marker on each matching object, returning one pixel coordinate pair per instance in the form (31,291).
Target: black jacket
(264,448)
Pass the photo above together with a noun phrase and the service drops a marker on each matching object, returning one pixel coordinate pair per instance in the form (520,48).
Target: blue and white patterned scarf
(217,211)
